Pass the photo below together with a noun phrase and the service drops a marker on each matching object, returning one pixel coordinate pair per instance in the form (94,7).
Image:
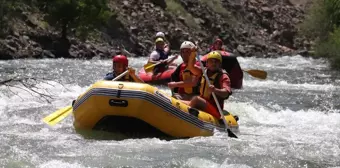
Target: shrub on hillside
(330,48)
(323,25)
(81,15)
(176,8)
(7,10)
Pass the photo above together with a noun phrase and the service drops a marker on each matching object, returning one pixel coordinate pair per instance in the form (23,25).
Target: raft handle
(194,112)
(119,103)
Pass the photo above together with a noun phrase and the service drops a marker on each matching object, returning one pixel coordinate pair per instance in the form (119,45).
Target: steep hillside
(247,27)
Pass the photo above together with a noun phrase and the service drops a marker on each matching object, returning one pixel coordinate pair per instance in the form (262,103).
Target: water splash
(273,132)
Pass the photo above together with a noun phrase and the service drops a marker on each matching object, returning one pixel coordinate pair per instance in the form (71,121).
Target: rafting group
(124,101)
(186,79)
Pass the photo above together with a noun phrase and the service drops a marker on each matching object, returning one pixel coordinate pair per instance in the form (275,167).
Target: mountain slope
(247,27)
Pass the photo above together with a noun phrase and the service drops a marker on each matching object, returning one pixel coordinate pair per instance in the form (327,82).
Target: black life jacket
(162,55)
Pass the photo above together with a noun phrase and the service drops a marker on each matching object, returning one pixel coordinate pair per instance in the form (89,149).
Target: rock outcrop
(247,28)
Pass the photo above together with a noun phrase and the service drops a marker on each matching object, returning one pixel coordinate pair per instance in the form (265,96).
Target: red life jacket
(181,73)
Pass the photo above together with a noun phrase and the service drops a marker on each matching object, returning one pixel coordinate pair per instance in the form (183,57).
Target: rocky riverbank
(247,27)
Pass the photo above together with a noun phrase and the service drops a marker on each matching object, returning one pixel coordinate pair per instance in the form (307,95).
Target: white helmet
(160,34)
(187,44)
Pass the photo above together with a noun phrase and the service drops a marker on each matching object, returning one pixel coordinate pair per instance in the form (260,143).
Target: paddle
(231,60)
(58,115)
(121,75)
(257,73)
(62,113)
(150,66)
(230,133)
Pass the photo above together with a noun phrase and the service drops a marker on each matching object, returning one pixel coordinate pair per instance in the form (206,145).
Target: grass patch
(176,8)
(44,25)
(215,5)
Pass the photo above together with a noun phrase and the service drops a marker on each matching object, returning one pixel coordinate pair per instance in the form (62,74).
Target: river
(292,119)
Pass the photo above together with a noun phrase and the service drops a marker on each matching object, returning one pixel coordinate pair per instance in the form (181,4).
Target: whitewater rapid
(292,119)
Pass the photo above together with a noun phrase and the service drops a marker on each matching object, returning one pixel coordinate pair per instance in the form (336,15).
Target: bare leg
(184,97)
(186,102)
(198,103)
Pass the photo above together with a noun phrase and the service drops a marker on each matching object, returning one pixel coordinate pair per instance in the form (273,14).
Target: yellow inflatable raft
(127,106)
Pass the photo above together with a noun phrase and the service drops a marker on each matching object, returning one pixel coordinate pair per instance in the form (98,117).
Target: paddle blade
(149,67)
(257,73)
(231,134)
(58,115)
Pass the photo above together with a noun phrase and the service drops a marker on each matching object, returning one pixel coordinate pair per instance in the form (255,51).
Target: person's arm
(154,62)
(223,93)
(196,70)
(153,57)
(225,90)
(171,60)
(167,48)
(183,84)
(133,75)
(136,78)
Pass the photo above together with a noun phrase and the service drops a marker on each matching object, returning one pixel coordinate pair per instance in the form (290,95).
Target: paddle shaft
(151,66)
(120,76)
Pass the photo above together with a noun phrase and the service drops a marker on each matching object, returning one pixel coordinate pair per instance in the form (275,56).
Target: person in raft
(159,55)
(217,45)
(220,85)
(186,76)
(166,44)
(119,65)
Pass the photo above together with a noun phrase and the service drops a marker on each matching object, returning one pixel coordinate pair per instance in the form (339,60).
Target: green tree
(321,18)
(82,15)
(6,9)
(11,9)
(322,24)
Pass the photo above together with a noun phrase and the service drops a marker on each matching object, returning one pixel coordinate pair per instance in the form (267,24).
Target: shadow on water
(121,128)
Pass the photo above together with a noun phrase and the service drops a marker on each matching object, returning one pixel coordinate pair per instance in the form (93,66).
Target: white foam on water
(61,164)
(272,135)
(284,85)
(3,104)
(51,134)
(200,163)
(29,98)
(307,131)
(23,100)
(285,117)
(284,62)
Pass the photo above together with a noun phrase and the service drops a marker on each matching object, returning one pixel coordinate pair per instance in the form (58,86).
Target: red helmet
(121,59)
